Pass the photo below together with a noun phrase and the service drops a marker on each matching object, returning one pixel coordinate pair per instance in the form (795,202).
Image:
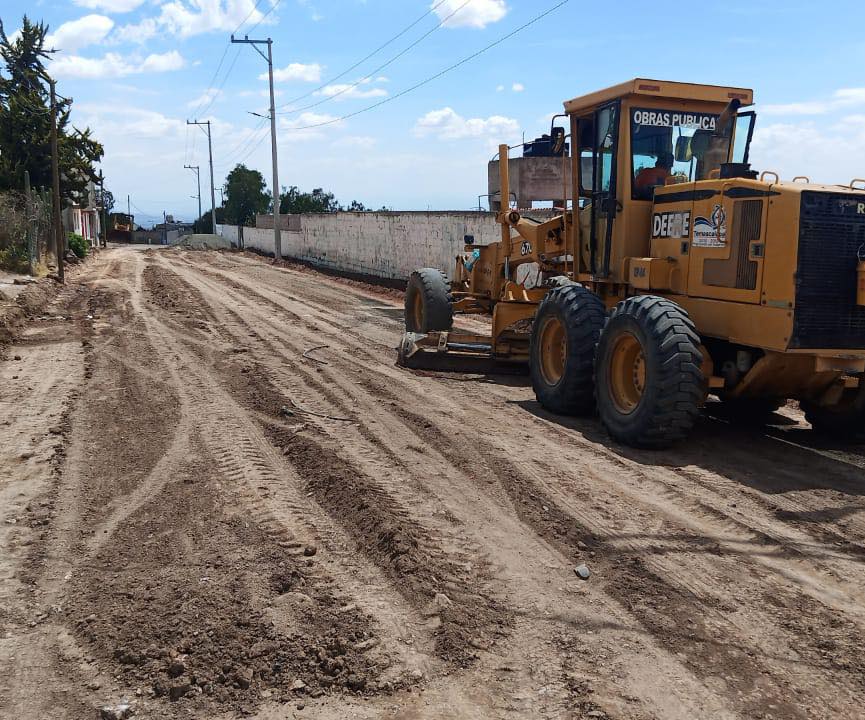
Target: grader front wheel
(428,302)
(648,380)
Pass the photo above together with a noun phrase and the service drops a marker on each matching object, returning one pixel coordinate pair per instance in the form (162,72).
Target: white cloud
(477,14)
(298,129)
(110,6)
(844,97)
(76,34)
(186,18)
(518,87)
(827,153)
(113,65)
(205,98)
(306,119)
(296,71)
(448,125)
(115,122)
(500,88)
(342,91)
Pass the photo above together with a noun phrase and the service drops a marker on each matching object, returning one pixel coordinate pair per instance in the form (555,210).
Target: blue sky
(138,69)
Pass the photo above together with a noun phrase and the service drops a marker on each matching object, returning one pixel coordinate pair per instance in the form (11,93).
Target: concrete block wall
(387,245)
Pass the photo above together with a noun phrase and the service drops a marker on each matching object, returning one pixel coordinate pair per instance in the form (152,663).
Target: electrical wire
(363,60)
(377,70)
(244,145)
(439,74)
(210,85)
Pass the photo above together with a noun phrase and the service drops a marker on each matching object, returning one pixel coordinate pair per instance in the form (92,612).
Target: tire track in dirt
(235,301)
(777,536)
(686,588)
(407,552)
(318,643)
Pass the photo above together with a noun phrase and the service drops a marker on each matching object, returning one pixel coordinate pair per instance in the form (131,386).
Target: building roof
(663,89)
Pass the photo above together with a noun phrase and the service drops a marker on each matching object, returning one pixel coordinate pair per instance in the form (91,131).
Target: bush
(78,245)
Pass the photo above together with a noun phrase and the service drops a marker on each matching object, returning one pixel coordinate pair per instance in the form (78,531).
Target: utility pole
(31,234)
(103,215)
(197,169)
(277,238)
(59,245)
(212,190)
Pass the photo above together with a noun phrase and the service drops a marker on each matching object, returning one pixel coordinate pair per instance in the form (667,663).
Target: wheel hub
(627,373)
(553,350)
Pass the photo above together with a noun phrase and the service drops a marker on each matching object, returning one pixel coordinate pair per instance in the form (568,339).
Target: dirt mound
(209,609)
(407,553)
(202,241)
(14,314)
(163,289)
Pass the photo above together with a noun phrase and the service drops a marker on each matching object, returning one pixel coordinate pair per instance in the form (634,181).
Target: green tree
(245,196)
(204,224)
(25,121)
(295,202)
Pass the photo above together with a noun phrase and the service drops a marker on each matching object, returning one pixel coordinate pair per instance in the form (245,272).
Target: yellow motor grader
(671,272)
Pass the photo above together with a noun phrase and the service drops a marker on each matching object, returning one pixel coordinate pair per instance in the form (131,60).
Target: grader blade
(451,352)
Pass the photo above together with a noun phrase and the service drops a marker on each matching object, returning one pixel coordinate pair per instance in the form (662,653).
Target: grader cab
(672,271)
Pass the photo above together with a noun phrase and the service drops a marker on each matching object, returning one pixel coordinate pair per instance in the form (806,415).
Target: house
(84,219)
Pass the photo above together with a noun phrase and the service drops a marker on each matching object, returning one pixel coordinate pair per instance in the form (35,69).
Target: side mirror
(683,149)
(700,142)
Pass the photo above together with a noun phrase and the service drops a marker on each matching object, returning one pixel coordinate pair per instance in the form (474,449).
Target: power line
(363,60)
(225,52)
(377,70)
(439,74)
(245,144)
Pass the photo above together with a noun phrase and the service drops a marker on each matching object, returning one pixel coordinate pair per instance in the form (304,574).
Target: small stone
(310,550)
(243,678)
(298,685)
(595,714)
(442,601)
(582,546)
(285,410)
(90,618)
(94,685)
(179,688)
(116,712)
(582,572)
(176,668)
(17,357)
(356,682)
(300,706)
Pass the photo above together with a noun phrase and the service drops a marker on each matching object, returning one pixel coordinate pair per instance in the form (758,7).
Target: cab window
(671,146)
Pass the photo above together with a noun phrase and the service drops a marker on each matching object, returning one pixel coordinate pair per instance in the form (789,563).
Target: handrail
(769,172)
(802,177)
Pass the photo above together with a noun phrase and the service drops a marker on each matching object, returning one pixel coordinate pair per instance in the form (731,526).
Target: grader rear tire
(564,334)
(844,421)
(648,381)
(428,302)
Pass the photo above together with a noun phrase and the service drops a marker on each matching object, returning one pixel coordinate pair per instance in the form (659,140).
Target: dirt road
(220,497)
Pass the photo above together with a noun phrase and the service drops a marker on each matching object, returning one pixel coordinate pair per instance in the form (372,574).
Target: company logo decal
(671,225)
(711,232)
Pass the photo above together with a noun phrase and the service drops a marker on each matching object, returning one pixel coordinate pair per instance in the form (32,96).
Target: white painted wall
(386,245)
